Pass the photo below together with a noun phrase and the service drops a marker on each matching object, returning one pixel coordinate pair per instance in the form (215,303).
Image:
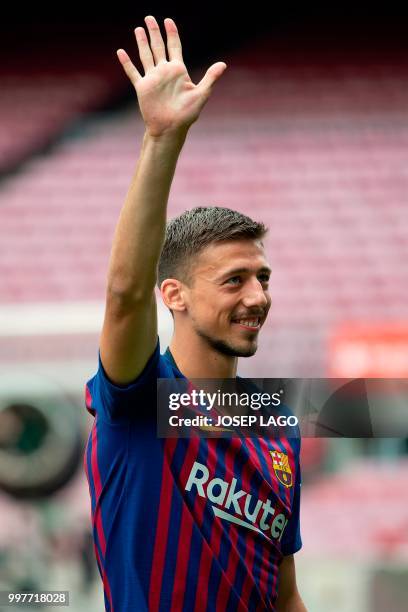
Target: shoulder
(109,400)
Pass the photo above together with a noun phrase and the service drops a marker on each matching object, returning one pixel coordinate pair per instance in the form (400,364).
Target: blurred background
(307,131)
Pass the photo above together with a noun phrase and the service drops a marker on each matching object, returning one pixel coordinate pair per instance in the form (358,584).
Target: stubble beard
(227,349)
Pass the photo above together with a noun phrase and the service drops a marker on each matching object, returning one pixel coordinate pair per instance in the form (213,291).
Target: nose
(255,295)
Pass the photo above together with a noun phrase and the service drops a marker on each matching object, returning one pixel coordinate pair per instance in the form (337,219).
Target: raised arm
(169,103)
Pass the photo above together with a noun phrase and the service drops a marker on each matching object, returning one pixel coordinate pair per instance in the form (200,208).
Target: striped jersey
(188,524)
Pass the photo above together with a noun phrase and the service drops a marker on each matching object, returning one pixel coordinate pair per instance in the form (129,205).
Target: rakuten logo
(226,495)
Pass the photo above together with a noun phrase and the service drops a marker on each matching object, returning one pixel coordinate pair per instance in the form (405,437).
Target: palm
(168,99)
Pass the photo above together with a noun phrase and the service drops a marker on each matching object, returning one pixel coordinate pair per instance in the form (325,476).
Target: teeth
(249,322)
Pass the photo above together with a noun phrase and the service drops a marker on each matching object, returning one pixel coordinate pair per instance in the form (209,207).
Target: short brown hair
(193,230)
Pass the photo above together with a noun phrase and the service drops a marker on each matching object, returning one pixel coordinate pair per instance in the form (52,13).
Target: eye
(264,278)
(234,280)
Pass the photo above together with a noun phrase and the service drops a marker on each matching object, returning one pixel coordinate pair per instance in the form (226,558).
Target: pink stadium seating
(41,98)
(350,511)
(317,152)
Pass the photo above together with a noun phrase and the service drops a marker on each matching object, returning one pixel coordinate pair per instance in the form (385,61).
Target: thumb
(213,74)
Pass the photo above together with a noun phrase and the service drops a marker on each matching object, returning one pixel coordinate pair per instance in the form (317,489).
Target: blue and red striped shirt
(188,524)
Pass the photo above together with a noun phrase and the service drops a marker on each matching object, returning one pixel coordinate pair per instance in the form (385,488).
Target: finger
(145,53)
(133,74)
(173,40)
(156,40)
(213,74)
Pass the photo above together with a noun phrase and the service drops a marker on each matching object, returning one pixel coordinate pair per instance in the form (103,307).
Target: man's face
(228,300)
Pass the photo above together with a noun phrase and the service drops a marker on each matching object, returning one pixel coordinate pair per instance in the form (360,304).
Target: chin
(248,352)
(233,350)
(229,348)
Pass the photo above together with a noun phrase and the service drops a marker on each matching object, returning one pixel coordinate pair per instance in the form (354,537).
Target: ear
(172,292)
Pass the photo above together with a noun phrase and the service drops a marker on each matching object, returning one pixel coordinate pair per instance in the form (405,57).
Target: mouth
(249,323)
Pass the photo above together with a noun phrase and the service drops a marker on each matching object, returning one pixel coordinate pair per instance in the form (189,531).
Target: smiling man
(214,277)
(190,523)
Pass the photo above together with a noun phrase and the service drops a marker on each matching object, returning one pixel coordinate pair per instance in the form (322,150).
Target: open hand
(169,101)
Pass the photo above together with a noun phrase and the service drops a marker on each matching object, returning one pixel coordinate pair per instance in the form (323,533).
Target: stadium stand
(315,150)
(313,146)
(45,89)
(352,500)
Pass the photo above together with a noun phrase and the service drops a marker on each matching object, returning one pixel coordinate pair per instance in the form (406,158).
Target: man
(165,538)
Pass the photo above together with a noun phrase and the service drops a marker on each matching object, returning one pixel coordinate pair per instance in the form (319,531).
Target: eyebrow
(236,271)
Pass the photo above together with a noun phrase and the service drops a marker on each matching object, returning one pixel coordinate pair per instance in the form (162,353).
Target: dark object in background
(346,413)
(41,446)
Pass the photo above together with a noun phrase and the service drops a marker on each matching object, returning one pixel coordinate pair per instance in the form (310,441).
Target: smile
(253,323)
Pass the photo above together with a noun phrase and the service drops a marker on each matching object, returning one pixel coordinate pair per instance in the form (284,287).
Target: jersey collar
(168,355)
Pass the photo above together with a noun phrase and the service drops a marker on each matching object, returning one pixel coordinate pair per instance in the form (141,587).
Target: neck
(195,358)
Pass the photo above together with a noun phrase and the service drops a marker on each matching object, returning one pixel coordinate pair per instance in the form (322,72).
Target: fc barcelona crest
(282,468)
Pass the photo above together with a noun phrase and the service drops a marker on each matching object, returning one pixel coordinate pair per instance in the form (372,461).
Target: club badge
(282,468)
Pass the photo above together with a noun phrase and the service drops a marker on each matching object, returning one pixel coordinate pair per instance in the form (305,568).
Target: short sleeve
(291,539)
(114,403)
